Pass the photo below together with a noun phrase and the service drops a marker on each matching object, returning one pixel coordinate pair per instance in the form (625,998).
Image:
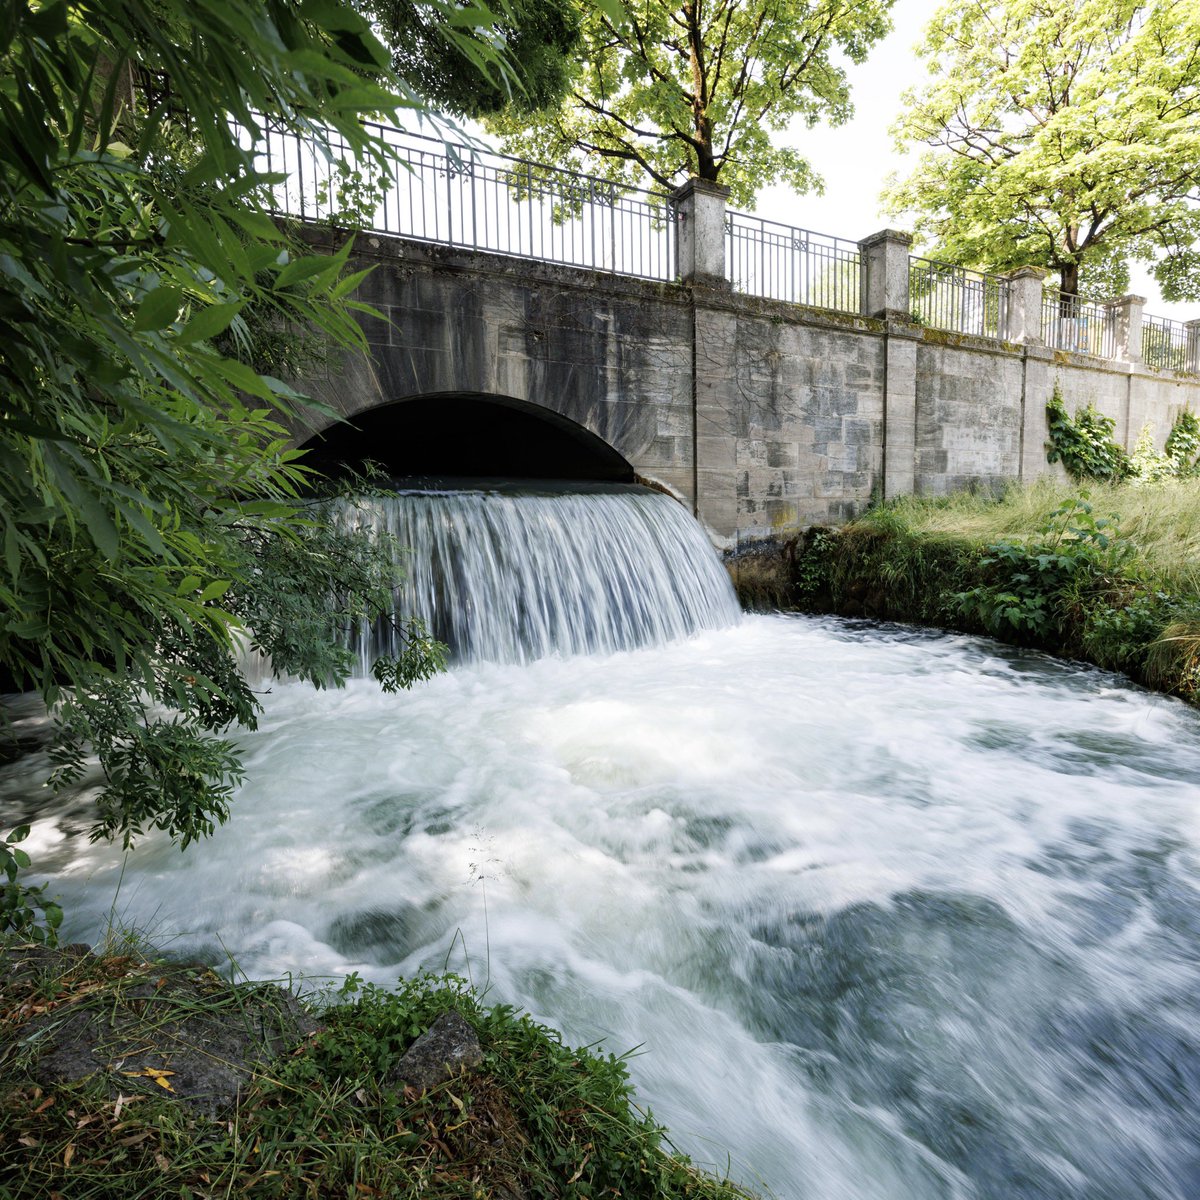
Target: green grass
(537,1119)
(1109,573)
(1163,519)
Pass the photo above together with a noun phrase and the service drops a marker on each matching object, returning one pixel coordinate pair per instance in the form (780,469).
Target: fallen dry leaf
(159,1077)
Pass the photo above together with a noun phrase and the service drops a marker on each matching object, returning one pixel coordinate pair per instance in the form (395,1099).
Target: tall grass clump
(1163,520)
(1109,574)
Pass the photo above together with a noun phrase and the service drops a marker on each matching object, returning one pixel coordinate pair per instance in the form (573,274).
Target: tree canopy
(1065,136)
(702,88)
(152,514)
(540,39)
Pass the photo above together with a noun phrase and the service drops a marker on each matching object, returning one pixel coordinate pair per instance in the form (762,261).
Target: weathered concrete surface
(761,416)
(611,354)
(968,398)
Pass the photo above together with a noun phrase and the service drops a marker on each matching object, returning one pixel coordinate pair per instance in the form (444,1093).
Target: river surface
(888,914)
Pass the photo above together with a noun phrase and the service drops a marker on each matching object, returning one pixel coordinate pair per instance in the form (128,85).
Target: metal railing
(1164,343)
(463,196)
(1084,326)
(433,191)
(957,299)
(781,262)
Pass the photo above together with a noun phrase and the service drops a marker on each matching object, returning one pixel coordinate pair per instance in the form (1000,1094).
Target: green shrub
(1183,445)
(24,910)
(1032,582)
(1084,444)
(1120,634)
(811,568)
(1146,464)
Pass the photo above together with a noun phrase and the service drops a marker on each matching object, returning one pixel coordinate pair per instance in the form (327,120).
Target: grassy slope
(537,1119)
(1163,519)
(1134,606)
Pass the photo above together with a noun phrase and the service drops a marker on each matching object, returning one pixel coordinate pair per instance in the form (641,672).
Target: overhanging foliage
(148,495)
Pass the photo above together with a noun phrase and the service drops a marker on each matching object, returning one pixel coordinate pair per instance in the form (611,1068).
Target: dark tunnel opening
(466,436)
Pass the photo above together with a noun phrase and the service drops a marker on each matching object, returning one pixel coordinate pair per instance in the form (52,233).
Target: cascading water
(892,914)
(510,574)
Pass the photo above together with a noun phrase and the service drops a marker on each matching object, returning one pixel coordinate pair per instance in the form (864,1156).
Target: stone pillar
(1125,315)
(884,274)
(1024,319)
(900,411)
(1191,361)
(700,232)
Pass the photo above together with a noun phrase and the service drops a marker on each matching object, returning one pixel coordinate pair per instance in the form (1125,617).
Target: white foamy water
(891,915)
(512,573)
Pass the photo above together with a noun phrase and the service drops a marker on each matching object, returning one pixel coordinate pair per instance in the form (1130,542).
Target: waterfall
(512,573)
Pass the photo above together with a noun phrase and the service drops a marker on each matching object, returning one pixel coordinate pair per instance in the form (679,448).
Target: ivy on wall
(1085,446)
(1084,443)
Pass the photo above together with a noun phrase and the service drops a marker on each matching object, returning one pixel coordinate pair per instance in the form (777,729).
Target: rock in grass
(169,1030)
(447,1048)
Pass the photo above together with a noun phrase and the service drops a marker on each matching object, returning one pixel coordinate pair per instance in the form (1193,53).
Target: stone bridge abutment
(763,416)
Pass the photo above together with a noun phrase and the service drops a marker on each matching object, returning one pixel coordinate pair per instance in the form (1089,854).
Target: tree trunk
(706,165)
(1068,278)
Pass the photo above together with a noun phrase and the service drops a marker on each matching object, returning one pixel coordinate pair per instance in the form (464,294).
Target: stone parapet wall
(764,417)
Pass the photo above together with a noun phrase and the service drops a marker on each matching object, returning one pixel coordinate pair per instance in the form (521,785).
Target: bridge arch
(467,435)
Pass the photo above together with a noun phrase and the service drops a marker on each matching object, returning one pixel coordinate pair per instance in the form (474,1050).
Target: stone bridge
(762,416)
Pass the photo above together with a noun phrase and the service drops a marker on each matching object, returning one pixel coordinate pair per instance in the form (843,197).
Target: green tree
(671,90)
(1065,136)
(540,38)
(152,513)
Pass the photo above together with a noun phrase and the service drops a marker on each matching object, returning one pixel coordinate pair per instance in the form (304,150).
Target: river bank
(883,910)
(130,1076)
(1107,574)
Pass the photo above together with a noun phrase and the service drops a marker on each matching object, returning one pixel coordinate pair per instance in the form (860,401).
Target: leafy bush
(1123,634)
(1075,552)
(810,567)
(1183,445)
(1146,464)
(24,909)
(1084,444)
(151,509)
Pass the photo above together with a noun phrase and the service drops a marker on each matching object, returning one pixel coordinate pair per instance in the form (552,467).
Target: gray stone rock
(166,1029)
(447,1048)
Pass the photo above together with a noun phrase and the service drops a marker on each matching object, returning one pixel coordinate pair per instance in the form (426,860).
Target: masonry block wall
(763,417)
(611,354)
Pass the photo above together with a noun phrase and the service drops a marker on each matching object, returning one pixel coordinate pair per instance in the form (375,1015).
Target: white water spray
(515,575)
(893,915)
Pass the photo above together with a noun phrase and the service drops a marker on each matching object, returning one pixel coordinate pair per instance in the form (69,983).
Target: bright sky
(856,158)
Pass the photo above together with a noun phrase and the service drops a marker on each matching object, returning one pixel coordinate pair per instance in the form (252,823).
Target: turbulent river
(886,913)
